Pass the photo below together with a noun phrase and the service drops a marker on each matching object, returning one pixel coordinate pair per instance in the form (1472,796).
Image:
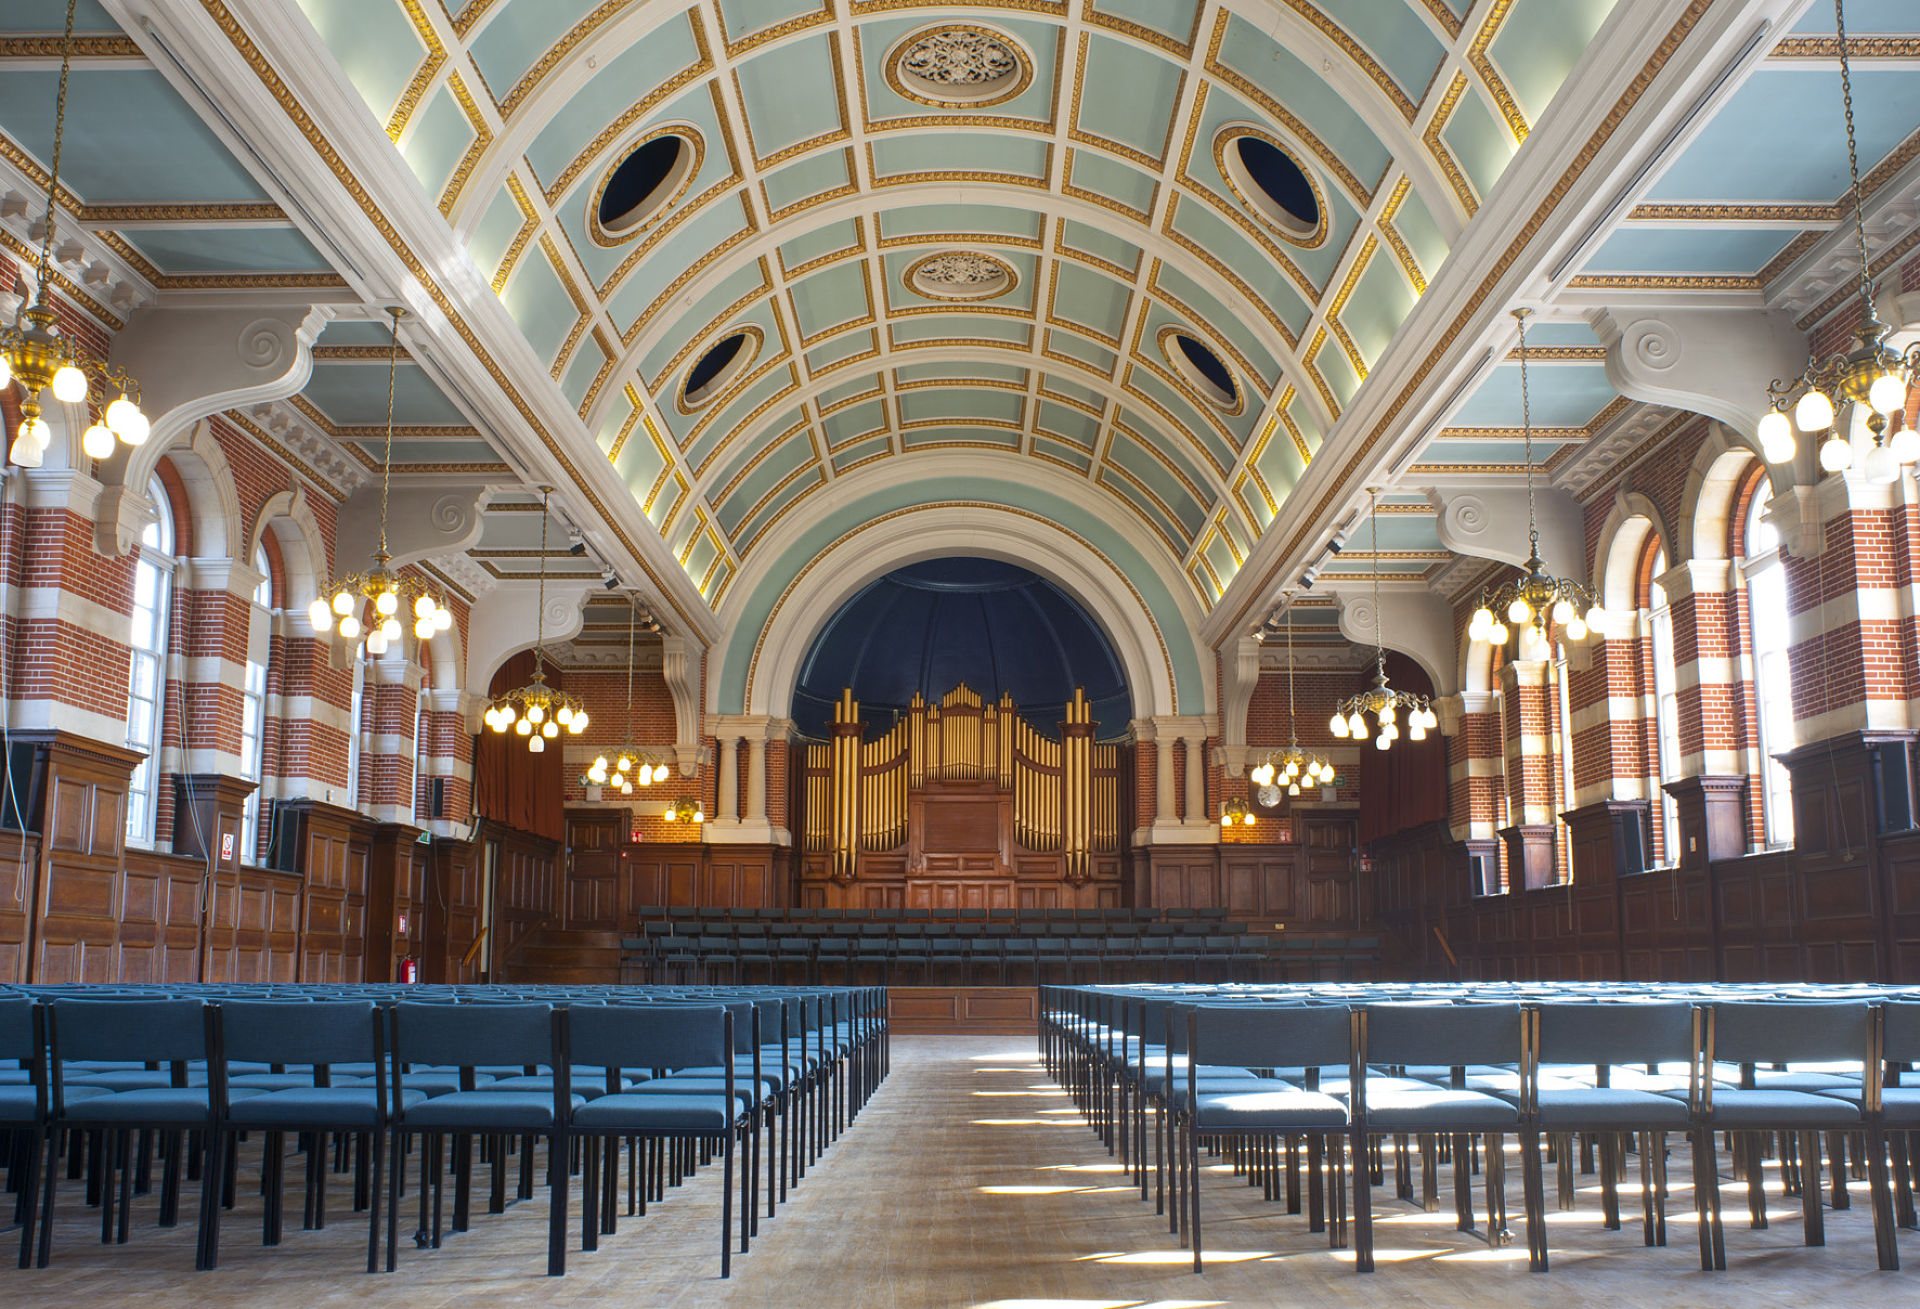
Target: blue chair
(24,1107)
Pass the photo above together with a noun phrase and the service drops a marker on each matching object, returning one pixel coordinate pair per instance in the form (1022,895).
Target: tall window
(355,722)
(1563,749)
(1666,709)
(1772,679)
(147,670)
(419,753)
(253,714)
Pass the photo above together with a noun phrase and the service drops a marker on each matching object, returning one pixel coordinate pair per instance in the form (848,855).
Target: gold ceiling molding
(1885,260)
(1545,434)
(1438,148)
(1358,267)
(430,67)
(611,357)
(529,223)
(1443,340)
(1081,136)
(1402,252)
(1146,439)
(1789,254)
(767,448)
(734,310)
(558,51)
(632,334)
(1734,213)
(1357,53)
(1858,47)
(356,354)
(103,45)
(619,441)
(1226,137)
(441,576)
(1146,35)
(239,214)
(1483,64)
(482,138)
(1443,14)
(820,17)
(1663,282)
(1171,533)
(579,301)
(1317,378)
(348,434)
(692,141)
(701,66)
(1559,354)
(1155,287)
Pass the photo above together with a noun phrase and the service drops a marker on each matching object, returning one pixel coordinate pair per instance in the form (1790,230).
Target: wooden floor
(969,1181)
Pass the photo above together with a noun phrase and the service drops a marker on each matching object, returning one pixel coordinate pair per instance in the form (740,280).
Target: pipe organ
(963,802)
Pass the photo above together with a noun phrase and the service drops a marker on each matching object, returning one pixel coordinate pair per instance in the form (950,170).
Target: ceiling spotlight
(576,543)
(609,579)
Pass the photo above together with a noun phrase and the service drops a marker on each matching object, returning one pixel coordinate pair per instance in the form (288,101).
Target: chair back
(646,1036)
(1445,1035)
(19,1033)
(136,1031)
(288,1032)
(1271,1035)
(1784,1031)
(1902,1035)
(1615,1032)
(463,1035)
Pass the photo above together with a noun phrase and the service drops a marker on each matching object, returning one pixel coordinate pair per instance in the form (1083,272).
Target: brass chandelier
(538,711)
(390,593)
(1872,373)
(34,352)
(628,766)
(1383,702)
(1293,763)
(1536,602)
(684,810)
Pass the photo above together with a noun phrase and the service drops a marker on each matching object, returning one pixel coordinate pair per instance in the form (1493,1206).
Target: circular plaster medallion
(960,275)
(959,66)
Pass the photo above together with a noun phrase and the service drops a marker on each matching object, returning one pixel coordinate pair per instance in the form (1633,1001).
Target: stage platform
(963,1010)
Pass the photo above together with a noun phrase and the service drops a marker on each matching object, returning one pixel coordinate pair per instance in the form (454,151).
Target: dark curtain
(1406,786)
(511,784)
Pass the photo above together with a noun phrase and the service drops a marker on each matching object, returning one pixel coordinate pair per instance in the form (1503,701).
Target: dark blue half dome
(930,626)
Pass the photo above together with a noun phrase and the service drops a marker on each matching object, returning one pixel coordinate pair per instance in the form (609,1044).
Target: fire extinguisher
(409,970)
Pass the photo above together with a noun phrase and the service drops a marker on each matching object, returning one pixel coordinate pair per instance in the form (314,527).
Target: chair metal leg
(1810,1198)
(1885,1246)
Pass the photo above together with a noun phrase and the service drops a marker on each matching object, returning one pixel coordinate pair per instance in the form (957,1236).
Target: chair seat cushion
(440,1083)
(1601,1107)
(1422,1105)
(1900,1105)
(315,1106)
(655,1111)
(160,1104)
(290,1081)
(132,1079)
(1285,1107)
(678,1084)
(1768,1079)
(18,1104)
(1733,1107)
(591,1086)
(509,1110)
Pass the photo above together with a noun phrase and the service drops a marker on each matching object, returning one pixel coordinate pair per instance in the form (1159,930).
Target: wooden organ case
(963,805)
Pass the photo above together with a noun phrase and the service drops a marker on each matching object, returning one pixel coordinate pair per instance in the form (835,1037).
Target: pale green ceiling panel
(800,486)
(1091,299)
(1068,424)
(1219,451)
(1074,346)
(476,453)
(516,34)
(961,373)
(1414,222)
(1266,64)
(1539,44)
(745,17)
(1381,300)
(1152,427)
(974,219)
(436,139)
(355,395)
(840,393)
(1145,506)
(686,248)
(1575,333)
(805,178)
(830,238)
(1222,322)
(973,327)
(1073,389)
(1304,418)
(830,297)
(493,235)
(932,437)
(1479,141)
(877,448)
(1863,16)
(728,421)
(356,331)
(51,15)
(774,432)
(942,405)
(1658,250)
(1035,103)
(1072,456)
(1512,453)
(840,349)
(1102,245)
(375,44)
(1199,224)
(640,465)
(1336,370)
(789,457)
(790,95)
(1172,18)
(1279,465)
(900,295)
(701,558)
(1563,395)
(982,153)
(227,249)
(614,417)
(621,82)
(1399,42)
(1107,177)
(582,368)
(855,421)
(701,319)
(130,138)
(1128,95)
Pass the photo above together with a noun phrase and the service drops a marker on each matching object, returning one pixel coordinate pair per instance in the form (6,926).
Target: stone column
(727,808)
(1196,806)
(756,779)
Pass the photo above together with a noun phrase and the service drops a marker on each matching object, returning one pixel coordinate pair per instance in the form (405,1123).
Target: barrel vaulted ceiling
(959,242)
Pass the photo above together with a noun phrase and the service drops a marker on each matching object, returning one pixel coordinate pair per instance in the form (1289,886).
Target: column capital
(222,574)
(1696,577)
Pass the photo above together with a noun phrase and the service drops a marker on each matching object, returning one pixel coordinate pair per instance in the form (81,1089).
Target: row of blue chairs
(121,1079)
(1258,1072)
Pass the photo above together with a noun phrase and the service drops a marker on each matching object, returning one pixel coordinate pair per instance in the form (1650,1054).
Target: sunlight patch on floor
(1182,1257)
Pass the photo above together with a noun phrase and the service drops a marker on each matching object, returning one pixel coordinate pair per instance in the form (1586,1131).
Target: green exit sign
(1339,779)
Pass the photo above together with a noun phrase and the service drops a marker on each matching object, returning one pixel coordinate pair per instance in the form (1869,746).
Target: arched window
(253,715)
(1772,679)
(356,722)
(1666,709)
(147,667)
(1561,707)
(419,753)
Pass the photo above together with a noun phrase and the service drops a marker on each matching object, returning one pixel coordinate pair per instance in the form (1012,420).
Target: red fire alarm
(401,926)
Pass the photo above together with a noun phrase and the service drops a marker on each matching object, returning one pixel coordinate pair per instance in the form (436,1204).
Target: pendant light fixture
(1288,766)
(1382,701)
(537,711)
(1872,373)
(1536,602)
(628,766)
(390,593)
(36,354)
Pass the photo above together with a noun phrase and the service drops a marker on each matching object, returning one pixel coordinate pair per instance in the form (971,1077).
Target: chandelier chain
(386,462)
(1526,437)
(1853,156)
(540,614)
(633,620)
(59,140)
(1293,733)
(1379,634)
